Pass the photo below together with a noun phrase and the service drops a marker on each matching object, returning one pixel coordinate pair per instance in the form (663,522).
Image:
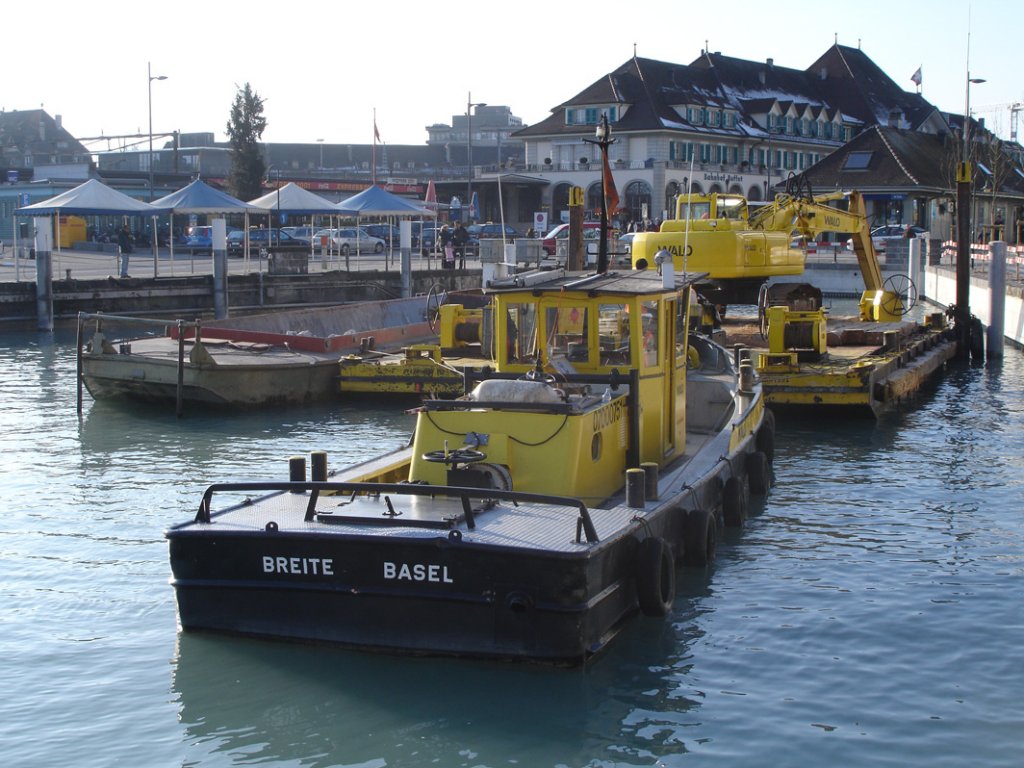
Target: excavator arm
(811,216)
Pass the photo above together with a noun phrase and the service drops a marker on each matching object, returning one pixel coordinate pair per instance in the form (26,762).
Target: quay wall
(940,290)
(194,295)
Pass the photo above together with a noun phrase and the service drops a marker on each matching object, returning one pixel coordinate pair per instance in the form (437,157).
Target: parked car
(881,235)
(389,233)
(200,238)
(489,230)
(262,238)
(591,231)
(424,234)
(351,240)
(304,233)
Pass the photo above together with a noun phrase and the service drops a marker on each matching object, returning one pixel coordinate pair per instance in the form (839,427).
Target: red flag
(611,195)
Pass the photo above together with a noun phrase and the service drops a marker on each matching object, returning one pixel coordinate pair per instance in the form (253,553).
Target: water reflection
(311,705)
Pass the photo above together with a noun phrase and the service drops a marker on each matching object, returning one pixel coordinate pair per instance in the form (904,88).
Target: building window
(857,161)
(638,199)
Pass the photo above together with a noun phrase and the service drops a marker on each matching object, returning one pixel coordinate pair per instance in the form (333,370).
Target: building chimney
(771,62)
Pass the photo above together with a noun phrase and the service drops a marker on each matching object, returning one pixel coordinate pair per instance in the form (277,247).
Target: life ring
(759,473)
(655,577)
(765,439)
(700,538)
(734,502)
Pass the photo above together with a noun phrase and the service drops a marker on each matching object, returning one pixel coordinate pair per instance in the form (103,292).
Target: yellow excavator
(741,249)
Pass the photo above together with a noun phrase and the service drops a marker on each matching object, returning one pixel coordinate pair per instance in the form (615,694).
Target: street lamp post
(149,72)
(469,148)
(962,314)
(603,138)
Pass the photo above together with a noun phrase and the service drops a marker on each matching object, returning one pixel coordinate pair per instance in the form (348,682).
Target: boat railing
(584,523)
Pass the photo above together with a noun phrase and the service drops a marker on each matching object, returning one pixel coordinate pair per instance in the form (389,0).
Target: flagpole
(373,170)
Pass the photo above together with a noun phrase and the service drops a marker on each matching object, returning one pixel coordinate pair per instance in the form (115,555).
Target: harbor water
(870,614)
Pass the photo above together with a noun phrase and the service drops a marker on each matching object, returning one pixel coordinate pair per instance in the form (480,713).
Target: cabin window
(521,333)
(695,211)
(649,332)
(613,333)
(566,328)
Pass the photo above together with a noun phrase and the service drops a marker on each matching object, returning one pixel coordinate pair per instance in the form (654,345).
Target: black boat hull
(430,596)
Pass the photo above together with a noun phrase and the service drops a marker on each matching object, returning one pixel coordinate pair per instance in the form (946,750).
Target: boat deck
(524,525)
(868,366)
(225,352)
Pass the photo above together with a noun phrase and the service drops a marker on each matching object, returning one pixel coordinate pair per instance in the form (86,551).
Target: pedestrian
(447,248)
(460,239)
(124,239)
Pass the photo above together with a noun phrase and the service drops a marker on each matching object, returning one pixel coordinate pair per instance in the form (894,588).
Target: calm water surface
(871,614)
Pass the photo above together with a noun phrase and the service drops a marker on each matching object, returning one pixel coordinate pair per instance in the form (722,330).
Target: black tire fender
(759,473)
(700,538)
(735,495)
(765,439)
(655,577)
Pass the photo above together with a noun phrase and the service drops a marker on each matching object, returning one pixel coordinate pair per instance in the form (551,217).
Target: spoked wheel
(535,375)
(762,311)
(436,296)
(899,293)
(458,456)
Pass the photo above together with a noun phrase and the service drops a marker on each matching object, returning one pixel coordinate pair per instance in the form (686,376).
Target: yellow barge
(864,369)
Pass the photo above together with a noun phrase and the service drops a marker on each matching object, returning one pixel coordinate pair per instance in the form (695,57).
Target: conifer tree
(245,129)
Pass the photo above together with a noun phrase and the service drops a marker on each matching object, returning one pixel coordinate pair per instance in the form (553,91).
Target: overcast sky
(324,68)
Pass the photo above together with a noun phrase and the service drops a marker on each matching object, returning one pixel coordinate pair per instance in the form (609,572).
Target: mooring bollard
(297,470)
(318,466)
(650,469)
(635,480)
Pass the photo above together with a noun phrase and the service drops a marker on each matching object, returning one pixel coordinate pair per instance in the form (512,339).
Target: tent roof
(91,198)
(291,198)
(200,197)
(375,201)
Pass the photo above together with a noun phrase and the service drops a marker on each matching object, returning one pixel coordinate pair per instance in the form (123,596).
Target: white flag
(916,77)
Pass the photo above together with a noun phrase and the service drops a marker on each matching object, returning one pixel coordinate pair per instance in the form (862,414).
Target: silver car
(350,240)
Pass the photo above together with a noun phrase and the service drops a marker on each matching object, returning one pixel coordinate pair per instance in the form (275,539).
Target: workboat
(530,518)
(272,358)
